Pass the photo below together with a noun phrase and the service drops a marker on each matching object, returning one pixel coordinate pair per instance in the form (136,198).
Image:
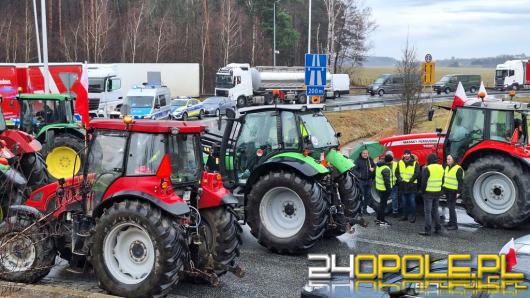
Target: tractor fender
(176,208)
(25,210)
(57,129)
(284,163)
(493,147)
(25,143)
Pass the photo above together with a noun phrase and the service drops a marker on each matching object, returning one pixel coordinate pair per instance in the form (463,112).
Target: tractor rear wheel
(496,192)
(65,158)
(349,192)
(137,250)
(27,254)
(286,212)
(34,169)
(223,237)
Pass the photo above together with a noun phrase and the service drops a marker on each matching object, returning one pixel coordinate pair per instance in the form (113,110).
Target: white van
(340,84)
(148,102)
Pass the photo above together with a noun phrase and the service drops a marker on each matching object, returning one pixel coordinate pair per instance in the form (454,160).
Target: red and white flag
(460,97)
(482,89)
(509,250)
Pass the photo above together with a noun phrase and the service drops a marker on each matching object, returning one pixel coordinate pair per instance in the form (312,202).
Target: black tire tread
(34,169)
(351,200)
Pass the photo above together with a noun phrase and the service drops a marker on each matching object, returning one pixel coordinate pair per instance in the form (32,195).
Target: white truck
(109,83)
(340,84)
(247,85)
(512,74)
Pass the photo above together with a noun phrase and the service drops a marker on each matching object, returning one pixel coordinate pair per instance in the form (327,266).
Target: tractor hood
(421,145)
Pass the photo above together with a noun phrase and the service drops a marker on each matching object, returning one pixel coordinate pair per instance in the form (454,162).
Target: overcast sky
(445,28)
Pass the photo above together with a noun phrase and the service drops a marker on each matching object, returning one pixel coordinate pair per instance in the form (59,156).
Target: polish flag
(482,89)
(460,97)
(509,250)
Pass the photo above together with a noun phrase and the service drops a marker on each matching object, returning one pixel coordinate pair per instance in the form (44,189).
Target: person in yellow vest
(432,180)
(394,195)
(452,188)
(407,175)
(383,185)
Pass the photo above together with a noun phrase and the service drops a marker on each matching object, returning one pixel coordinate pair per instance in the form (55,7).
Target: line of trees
(210,32)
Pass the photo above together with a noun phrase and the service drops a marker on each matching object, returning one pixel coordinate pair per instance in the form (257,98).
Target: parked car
(184,108)
(448,83)
(386,83)
(217,105)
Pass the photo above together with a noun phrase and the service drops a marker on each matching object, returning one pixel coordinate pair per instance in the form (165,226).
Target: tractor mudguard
(176,208)
(25,143)
(339,161)
(71,128)
(25,210)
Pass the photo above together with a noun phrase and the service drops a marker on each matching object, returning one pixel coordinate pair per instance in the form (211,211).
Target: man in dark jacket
(365,171)
(452,188)
(408,174)
(383,185)
(431,189)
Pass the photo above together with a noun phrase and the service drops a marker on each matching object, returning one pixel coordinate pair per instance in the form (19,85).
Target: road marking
(410,247)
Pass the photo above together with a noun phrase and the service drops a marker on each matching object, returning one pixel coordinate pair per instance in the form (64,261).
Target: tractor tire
(223,236)
(496,192)
(272,203)
(33,167)
(35,252)
(151,252)
(64,166)
(350,195)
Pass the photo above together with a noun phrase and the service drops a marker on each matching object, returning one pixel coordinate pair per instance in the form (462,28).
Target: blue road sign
(315,73)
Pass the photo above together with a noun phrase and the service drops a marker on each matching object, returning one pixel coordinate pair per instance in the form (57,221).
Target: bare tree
(205,31)
(162,42)
(136,17)
(409,71)
(230,29)
(333,8)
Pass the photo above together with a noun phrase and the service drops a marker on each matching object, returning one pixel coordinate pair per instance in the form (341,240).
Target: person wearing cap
(394,197)
(452,188)
(431,188)
(365,170)
(383,185)
(407,175)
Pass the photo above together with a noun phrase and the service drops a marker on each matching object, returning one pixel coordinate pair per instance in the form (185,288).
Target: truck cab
(234,81)
(512,74)
(105,92)
(147,102)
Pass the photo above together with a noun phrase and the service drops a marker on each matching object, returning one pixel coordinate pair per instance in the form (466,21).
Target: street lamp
(274,38)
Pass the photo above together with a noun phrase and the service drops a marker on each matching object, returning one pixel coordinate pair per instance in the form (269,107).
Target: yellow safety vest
(379,181)
(407,172)
(394,169)
(450,180)
(436,174)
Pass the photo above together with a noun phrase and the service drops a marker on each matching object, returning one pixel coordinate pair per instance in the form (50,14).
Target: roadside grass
(366,75)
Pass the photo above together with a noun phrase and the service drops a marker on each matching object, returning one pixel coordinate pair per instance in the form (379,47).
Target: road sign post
(315,74)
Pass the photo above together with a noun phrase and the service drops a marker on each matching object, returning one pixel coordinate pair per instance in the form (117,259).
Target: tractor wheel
(34,169)
(223,236)
(137,250)
(65,158)
(27,254)
(496,192)
(286,212)
(349,192)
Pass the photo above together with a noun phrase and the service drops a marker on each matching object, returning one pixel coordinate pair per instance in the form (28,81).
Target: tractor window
(105,159)
(291,137)
(185,162)
(501,126)
(145,154)
(467,130)
(259,135)
(321,133)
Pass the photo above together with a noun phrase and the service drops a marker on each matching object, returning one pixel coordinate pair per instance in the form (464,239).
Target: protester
(396,206)
(431,188)
(407,174)
(383,185)
(452,188)
(365,171)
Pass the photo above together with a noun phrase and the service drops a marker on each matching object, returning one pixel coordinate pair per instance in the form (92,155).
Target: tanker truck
(246,85)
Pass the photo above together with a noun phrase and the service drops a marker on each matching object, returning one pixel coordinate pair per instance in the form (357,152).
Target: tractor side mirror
(439,131)
(430,114)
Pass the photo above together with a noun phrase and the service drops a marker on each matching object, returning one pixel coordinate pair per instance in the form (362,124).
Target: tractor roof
(501,105)
(285,107)
(149,126)
(40,96)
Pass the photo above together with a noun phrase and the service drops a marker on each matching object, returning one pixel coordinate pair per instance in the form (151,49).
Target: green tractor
(294,186)
(50,118)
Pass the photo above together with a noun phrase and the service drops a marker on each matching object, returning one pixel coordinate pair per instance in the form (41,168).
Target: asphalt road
(272,275)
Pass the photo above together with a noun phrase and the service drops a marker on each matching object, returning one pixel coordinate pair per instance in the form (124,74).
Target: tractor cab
(503,122)
(40,110)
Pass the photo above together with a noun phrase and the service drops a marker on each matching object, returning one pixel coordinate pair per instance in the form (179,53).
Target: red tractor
(143,214)
(496,160)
